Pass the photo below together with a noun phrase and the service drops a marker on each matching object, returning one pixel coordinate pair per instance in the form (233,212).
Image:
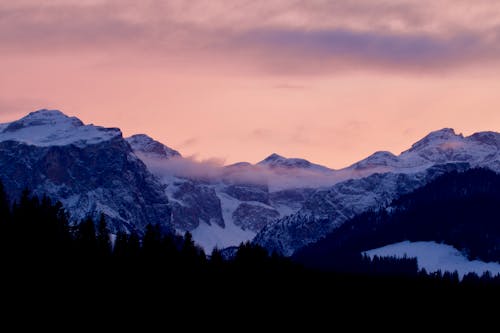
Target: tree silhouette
(103,241)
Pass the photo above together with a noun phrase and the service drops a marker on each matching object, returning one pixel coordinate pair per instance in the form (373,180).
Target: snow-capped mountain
(45,128)
(90,169)
(377,180)
(223,206)
(149,148)
(274,161)
(281,203)
(443,146)
(328,208)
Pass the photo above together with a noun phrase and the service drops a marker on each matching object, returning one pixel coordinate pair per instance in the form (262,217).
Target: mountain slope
(46,128)
(461,209)
(377,180)
(276,161)
(149,148)
(287,203)
(89,169)
(224,209)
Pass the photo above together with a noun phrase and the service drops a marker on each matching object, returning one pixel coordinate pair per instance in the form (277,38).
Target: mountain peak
(43,117)
(271,158)
(445,134)
(376,160)
(46,113)
(144,144)
(54,128)
(277,161)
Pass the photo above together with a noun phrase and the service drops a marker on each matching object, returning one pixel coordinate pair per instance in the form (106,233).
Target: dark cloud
(303,51)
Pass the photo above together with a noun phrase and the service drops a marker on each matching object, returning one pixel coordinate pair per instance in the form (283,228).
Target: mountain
(377,180)
(438,147)
(221,207)
(276,161)
(148,148)
(138,180)
(90,169)
(460,209)
(280,203)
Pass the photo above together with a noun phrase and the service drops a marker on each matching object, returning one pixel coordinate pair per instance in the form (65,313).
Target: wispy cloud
(213,170)
(189,142)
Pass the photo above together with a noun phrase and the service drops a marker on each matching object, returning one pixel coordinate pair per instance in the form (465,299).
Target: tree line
(37,241)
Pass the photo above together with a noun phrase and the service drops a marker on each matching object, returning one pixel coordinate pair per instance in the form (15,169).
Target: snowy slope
(288,202)
(442,146)
(46,128)
(220,206)
(377,180)
(150,148)
(90,169)
(277,161)
(211,236)
(433,257)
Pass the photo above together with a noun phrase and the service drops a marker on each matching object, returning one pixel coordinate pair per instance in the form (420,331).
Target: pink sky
(330,81)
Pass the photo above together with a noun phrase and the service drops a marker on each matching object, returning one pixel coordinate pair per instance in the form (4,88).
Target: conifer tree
(103,241)
(4,206)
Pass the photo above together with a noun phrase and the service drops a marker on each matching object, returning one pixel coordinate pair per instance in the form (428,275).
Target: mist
(214,171)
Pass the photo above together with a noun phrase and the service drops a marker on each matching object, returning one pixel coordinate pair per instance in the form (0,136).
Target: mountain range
(280,203)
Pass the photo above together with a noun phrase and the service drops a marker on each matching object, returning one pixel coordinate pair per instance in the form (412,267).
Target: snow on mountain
(286,202)
(90,169)
(442,146)
(276,161)
(377,180)
(46,128)
(220,205)
(433,257)
(327,208)
(292,202)
(211,236)
(381,161)
(143,144)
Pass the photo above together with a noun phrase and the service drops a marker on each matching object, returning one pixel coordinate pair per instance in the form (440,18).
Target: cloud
(213,171)
(324,50)
(276,36)
(188,167)
(189,142)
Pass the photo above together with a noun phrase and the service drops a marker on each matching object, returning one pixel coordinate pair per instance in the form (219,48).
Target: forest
(461,209)
(41,250)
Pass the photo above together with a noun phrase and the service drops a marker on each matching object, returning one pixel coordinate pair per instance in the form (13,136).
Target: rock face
(225,209)
(249,192)
(254,217)
(277,161)
(143,144)
(285,203)
(377,180)
(195,203)
(89,169)
(326,209)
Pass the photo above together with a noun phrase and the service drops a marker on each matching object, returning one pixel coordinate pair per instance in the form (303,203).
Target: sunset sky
(329,81)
